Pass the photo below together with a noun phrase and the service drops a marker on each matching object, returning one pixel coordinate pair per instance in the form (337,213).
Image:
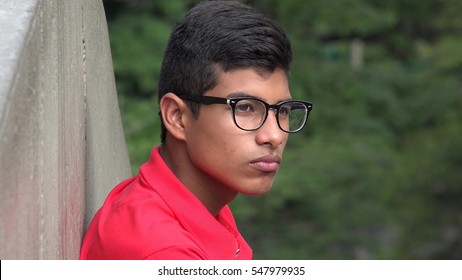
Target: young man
(226,113)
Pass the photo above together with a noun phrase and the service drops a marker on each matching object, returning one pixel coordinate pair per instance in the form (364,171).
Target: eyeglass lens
(249,114)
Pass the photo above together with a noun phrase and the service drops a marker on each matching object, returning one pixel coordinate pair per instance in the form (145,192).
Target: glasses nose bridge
(274,107)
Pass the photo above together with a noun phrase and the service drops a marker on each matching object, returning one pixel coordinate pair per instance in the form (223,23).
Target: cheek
(216,150)
(218,137)
(209,143)
(222,157)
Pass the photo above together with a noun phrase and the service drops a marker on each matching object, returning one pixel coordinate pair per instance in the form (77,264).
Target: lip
(266,163)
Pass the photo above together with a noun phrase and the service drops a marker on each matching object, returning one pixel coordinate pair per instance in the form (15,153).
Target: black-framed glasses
(250,113)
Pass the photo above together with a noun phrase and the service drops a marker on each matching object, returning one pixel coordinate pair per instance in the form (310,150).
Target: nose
(270,133)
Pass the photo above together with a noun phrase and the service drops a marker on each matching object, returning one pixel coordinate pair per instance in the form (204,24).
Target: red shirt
(154,216)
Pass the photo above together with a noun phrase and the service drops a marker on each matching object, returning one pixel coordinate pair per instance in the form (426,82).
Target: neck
(213,194)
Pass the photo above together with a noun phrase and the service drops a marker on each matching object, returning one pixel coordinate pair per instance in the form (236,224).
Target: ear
(174,115)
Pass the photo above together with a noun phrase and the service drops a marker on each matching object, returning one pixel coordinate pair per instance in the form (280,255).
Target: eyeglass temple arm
(206,100)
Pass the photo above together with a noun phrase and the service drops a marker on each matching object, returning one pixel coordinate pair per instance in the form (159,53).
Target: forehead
(270,87)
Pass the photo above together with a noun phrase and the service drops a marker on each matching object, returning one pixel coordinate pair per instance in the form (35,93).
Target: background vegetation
(377,173)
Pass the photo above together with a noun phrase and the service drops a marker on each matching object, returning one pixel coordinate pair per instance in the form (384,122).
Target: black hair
(219,36)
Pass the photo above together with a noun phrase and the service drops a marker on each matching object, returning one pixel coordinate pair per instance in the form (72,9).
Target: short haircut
(217,36)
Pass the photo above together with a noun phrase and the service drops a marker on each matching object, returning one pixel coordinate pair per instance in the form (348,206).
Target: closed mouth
(267,163)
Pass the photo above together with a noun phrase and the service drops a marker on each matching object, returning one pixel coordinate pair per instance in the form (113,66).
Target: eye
(250,108)
(284,110)
(247,106)
(244,107)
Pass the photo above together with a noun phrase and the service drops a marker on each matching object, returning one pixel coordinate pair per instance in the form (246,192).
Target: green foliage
(139,31)
(141,125)
(377,173)
(137,51)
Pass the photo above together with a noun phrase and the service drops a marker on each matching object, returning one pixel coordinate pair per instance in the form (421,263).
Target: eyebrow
(239,94)
(243,94)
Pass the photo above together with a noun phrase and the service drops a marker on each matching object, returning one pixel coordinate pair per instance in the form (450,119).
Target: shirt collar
(217,236)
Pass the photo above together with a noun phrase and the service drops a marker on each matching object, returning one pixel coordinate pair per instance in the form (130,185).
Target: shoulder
(136,223)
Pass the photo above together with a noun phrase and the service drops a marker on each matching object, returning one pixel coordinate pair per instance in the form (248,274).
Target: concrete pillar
(61,140)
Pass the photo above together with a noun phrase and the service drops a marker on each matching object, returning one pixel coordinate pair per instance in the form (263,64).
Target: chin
(254,186)
(258,190)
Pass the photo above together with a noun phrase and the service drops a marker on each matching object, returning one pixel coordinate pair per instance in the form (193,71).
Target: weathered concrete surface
(61,141)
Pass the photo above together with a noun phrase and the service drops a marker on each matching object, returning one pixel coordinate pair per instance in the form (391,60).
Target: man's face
(241,161)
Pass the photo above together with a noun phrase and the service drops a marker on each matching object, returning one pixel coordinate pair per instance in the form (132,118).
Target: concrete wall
(61,141)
